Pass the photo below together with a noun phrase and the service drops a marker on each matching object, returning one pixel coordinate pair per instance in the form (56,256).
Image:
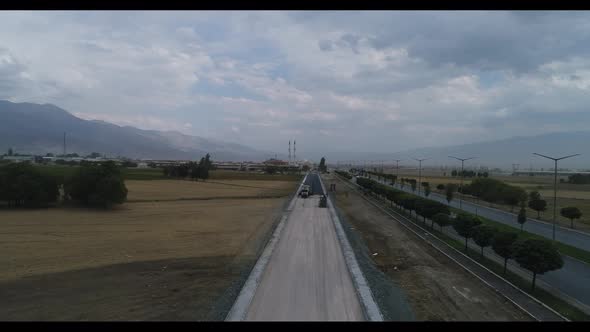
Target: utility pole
(64,144)
(555,185)
(462,175)
(420,173)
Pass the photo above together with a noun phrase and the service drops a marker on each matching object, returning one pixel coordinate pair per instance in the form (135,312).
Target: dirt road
(436,287)
(307,277)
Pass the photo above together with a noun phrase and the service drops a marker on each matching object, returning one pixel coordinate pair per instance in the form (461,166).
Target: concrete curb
(240,307)
(370,308)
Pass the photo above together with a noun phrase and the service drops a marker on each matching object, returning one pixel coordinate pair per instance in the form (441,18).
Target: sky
(377,81)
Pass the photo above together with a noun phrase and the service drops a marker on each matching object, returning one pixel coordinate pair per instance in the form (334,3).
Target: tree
(538,205)
(464,225)
(271,169)
(521,218)
(534,195)
(10,152)
(454,173)
(483,235)
(305,168)
(441,219)
(538,256)
(97,185)
(322,167)
(450,192)
(23,185)
(571,212)
(513,196)
(427,191)
(413,184)
(440,187)
(503,245)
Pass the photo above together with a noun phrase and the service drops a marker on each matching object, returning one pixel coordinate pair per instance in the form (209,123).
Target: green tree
(450,192)
(538,256)
(441,219)
(464,225)
(534,195)
(440,187)
(571,212)
(21,184)
(503,245)
(483,235)
(10,152)
(513,196)
(521,218)
(413,184)
(97,185)
(305,168)
(538,205)
(427,191)
(322,167)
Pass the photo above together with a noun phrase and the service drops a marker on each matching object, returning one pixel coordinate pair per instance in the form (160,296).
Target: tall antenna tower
(64,143)
(289,151)
(294,151)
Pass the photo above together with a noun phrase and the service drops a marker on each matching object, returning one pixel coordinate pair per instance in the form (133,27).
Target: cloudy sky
(377,81)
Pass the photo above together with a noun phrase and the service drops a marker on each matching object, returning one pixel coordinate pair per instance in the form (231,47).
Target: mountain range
(39,129)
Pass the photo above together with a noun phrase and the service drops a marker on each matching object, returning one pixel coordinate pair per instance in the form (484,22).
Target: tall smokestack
(289,151)
(294,150)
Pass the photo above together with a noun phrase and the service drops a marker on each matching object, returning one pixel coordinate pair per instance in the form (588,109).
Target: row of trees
(101,185)
(494,191)
(536,255)
(579,179)
(344,174)
(469,174)
(192,170)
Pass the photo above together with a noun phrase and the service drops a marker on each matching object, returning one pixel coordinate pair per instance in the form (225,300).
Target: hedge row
(421,206)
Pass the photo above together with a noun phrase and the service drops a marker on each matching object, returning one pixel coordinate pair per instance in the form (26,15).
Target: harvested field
(163,190)
(436,288)
(172,260)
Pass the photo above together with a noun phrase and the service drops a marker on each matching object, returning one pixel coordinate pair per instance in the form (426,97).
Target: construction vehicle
(305,191)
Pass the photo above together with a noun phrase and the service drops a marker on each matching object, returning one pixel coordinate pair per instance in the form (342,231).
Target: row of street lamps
(462,175)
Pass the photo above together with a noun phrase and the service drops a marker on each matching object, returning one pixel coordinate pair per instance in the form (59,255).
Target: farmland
(157,257)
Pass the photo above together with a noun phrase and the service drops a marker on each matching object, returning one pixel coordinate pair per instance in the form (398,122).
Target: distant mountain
(501,153)
(38,129)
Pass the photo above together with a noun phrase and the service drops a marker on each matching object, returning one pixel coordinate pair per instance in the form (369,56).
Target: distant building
(276,162)
(19,159)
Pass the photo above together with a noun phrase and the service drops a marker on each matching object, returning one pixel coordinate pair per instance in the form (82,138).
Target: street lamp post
(397,169)
(462,175)
(420,173)
(555,185)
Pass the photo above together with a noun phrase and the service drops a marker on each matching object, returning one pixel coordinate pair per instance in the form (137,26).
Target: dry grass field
(157,260)
(180,189)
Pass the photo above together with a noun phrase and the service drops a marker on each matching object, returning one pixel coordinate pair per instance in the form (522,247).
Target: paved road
(572,280)
(306,277)
(572,237)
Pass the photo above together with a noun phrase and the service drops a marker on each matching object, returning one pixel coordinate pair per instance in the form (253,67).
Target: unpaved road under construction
(307,277)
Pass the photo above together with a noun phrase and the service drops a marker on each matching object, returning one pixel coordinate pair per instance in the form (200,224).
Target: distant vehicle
(305,191)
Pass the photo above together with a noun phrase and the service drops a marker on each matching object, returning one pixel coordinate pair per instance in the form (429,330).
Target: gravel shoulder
(436,288)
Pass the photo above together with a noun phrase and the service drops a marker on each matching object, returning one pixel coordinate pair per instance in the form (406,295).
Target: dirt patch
(436,288)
